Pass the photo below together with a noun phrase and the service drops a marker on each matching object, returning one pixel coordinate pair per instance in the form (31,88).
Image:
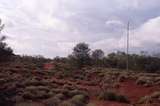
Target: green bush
(107,95)
(122,98)
(79,100)
(53,101)
(77,92)
(5,51)
(66,103)
(145,81)
(112,96)
(149,98)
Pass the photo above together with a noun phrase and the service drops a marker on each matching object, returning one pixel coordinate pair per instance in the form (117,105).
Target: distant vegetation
(82,56)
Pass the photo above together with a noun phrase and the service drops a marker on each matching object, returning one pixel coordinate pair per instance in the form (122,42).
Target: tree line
(82,56)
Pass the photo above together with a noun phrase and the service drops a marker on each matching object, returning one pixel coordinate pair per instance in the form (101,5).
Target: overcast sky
(52,27)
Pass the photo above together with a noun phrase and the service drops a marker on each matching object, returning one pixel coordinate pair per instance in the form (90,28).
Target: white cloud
(137,4)
(110,22)
(145,37)
(147,33)
(52,27)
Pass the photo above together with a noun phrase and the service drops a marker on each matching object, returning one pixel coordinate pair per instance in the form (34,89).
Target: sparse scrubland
(27,85)
(81,79)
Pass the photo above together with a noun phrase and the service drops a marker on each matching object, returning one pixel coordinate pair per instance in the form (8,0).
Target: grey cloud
(53,27)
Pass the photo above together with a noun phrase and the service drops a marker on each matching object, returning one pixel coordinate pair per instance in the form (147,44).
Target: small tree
(5,51)
(97,57)
(97,54)
(81,54)
(112,60)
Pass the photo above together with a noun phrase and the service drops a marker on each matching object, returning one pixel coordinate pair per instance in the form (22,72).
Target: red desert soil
(128,88)
(131,90)
(134,91)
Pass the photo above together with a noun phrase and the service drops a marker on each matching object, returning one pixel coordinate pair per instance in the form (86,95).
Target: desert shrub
(61,66)
(157,80)
(32,62)
(60,96)
(36,95)
(5,51)
(112,96)
(149,98)
(107,95)
(44,88)
(101,74)
(57,90)
(67,103)
(18,98)
(155,94)
(79,100)
(34,82)
(5,100)
(69,87)
(78,92)
(122,78)
(91,104)
(116,85)
(36,92)
(145,81)
(53,101)
(32,88)
(7,92)
(28,104)
(28,95)
(65,69)
(40,94)
(122,98)
(145,99)
(157,83)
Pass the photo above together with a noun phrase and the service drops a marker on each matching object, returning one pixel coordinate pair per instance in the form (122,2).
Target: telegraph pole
(127,62)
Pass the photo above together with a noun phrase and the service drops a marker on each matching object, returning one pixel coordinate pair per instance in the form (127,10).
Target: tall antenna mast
(127,62)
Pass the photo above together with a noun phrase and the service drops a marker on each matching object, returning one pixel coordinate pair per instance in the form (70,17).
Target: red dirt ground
(134,91)
(128,88)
